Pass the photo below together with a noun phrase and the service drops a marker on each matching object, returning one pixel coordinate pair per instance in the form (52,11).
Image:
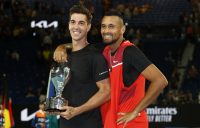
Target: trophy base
(54,110)
(54,104)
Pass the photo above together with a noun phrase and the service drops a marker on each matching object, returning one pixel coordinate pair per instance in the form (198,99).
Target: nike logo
(115,61)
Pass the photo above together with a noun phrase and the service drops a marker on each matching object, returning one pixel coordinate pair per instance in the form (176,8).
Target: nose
(75,26)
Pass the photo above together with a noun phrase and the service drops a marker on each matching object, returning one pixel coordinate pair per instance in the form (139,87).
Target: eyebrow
(109,24)
(78,21)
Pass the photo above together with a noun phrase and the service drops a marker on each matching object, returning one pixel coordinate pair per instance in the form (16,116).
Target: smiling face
(78,26)
(112,29)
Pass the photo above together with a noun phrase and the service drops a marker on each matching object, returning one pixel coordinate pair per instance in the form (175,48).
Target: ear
(89,27)
(123,29)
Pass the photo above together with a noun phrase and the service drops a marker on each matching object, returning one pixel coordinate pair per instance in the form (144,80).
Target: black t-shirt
(134,62)
(87,67)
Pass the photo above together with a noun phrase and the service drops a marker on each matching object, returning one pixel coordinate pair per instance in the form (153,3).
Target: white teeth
(107,36)
(76,32)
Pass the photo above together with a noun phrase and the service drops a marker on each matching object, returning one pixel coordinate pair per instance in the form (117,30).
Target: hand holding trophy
(58,76)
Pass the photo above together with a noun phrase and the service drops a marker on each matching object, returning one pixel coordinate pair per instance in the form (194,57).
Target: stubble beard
(113,41)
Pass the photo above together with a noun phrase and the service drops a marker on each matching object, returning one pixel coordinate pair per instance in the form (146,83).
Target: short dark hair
(79,8)
(114,12)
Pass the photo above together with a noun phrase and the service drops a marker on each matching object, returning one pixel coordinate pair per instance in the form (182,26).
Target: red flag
(4,101)
(9,120)
(11,113)
(5,91)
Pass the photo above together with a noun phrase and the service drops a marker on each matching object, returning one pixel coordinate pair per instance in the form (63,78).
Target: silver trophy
(58,78)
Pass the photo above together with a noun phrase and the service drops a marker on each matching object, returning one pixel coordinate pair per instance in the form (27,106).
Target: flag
(4,100)
(5,91)
(8,114)
(11,113)
(6,118)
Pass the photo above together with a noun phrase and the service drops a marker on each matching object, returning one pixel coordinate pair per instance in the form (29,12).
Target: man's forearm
(151,95)
(158,83)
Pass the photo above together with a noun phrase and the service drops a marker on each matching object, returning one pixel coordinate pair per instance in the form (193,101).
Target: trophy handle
(67,75)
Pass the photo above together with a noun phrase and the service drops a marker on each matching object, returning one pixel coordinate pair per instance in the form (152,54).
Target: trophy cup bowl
(58,76)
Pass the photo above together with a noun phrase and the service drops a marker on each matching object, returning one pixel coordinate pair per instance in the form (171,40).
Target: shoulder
(131,49)
(93,50)
(135,54)
(126,44)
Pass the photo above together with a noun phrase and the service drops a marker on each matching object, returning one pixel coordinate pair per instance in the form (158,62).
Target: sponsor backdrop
(159,116)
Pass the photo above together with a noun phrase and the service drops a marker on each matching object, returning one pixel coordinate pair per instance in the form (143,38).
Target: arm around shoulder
(60,54)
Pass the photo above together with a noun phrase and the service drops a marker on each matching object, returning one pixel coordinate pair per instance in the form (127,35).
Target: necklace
(112,59)
(110,69)
(111,56)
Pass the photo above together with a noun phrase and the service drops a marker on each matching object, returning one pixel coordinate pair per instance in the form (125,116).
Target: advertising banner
(186,116)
